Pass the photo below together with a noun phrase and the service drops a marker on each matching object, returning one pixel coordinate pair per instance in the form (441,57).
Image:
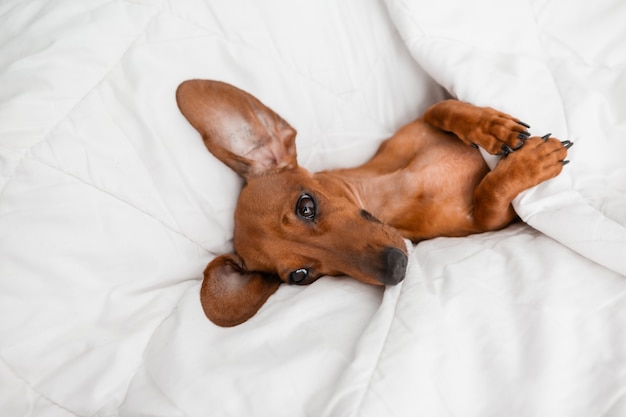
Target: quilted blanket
(111,207)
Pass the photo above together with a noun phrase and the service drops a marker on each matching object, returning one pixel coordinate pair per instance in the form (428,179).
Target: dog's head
(290,225)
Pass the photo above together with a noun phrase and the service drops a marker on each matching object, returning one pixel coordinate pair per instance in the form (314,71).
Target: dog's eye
(305,209)
(298,276)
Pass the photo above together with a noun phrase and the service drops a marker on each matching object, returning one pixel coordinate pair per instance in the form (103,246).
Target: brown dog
(293,226)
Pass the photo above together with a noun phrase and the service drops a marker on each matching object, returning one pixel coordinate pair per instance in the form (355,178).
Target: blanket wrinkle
(141,366)
(367,369)
(128,407)
(375,365)
(8,173)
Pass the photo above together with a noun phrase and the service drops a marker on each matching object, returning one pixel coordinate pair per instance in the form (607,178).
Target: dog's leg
(537,161)
(496,132)
(527,162)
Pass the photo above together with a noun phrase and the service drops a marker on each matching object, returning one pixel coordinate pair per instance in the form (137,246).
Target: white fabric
(559,64)
(110,208)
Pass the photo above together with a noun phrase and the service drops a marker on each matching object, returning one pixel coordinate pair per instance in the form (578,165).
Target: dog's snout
(396,262)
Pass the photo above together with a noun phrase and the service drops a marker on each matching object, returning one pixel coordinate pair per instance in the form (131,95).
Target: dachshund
(293,226)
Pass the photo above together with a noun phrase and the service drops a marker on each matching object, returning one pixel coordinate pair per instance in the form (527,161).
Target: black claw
(568,144)
(546,136)
(473,145)
(565,162)
(519,122)
(523,135)
(506,149)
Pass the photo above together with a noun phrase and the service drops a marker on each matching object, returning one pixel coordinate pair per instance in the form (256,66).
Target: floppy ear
(237,128)
(230,295)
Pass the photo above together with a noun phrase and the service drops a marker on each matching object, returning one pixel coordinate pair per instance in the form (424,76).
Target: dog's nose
(396,266)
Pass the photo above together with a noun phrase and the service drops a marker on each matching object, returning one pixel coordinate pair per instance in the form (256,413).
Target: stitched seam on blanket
(293,70)
(127,203)
(107,71)
(28,384)
(45,136)
(105,74)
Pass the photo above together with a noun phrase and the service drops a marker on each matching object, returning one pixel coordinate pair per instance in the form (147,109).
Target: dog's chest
(434,191)
(439,175)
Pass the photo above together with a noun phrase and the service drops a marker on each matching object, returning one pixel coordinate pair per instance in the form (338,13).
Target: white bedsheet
(110,208)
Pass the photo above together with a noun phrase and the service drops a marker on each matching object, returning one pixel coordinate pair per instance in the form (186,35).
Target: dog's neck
(377,194)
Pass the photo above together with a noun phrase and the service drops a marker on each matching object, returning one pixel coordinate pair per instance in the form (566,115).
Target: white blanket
(110,208)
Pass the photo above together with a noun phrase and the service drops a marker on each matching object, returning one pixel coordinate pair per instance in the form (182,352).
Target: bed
(111,207)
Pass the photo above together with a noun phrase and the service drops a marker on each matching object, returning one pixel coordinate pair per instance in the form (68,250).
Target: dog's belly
(435,193)
(421,181)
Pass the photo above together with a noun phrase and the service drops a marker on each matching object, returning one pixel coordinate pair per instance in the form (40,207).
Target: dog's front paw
(540,159)
(498,133)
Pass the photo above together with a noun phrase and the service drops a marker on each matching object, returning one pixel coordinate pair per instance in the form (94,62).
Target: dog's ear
(230,295)
(237,128)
